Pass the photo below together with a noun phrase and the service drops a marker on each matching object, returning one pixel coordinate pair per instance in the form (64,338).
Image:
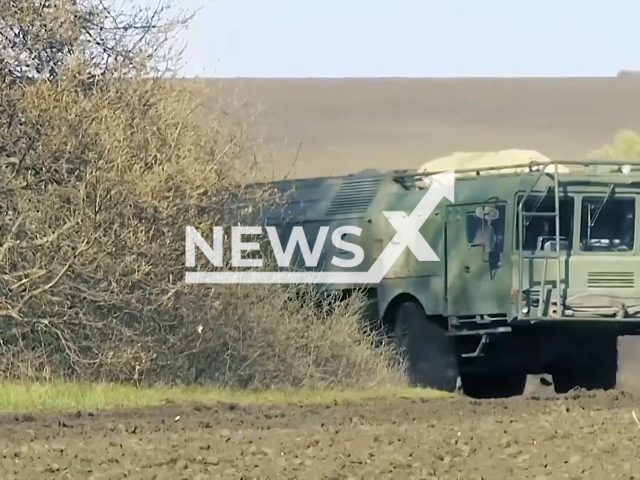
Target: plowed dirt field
(580,435)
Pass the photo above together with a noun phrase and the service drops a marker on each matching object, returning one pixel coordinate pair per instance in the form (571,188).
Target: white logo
(407,236)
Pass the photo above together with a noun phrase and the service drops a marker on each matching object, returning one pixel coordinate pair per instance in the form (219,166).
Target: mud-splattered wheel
(595,367)
(429,354)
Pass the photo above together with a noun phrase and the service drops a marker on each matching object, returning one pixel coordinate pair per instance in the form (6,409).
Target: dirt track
(580,436)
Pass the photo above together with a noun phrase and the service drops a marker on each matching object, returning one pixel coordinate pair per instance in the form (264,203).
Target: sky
(412,38)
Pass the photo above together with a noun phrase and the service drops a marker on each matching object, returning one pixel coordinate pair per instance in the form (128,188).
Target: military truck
(537,269)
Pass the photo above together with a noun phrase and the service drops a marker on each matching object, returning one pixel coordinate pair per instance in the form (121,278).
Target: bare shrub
(625,146)
(264,336)
(626,73)
(104,162)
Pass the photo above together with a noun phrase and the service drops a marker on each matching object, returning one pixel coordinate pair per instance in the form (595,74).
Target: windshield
(607,224)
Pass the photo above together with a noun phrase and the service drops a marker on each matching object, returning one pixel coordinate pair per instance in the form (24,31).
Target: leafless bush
(103,162)
(625,146)
(625,73)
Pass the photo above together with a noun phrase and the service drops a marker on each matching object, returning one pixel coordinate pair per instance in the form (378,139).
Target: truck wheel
(493,385)
(594,368)
(429,354)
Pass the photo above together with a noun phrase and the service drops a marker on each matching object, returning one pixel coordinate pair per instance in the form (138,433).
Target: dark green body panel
(468,282)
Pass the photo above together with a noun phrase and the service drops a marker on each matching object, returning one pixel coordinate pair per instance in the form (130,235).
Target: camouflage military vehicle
(537,269)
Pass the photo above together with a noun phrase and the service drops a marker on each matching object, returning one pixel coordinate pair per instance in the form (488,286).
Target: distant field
(346,125)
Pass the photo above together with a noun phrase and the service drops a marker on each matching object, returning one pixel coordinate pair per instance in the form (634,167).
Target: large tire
(429,354)
(594,368)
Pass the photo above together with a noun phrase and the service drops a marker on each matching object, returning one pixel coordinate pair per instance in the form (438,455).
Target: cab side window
(539,232)
(607,224)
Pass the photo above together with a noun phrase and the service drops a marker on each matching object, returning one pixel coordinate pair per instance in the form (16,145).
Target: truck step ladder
(555,214)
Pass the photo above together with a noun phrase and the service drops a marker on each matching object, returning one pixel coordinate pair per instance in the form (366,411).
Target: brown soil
(583,435)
